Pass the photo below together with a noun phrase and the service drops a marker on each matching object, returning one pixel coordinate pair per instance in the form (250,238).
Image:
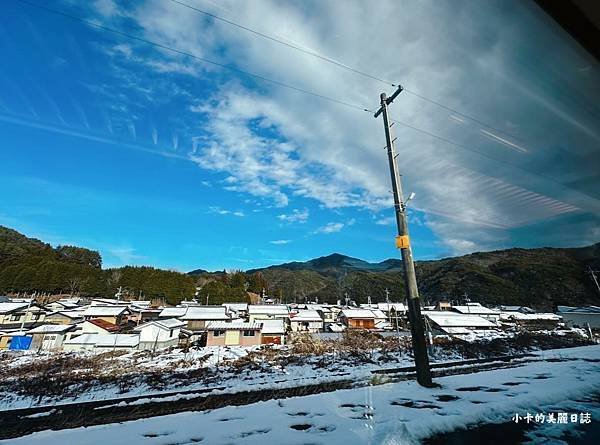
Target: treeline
(29,265)
(229,287)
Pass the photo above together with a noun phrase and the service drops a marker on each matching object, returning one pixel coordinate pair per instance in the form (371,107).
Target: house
(443,306)
(61,305)
(457,324)
(357,318)
(173,312)
(159,334)
(580,316)
(233,334)
(240,310)
(522,309)
(531,321)
(15,315)
(305,320)
(478,309)
(64,317)
(113,314)
(116,342)
(392,309)
(49,337)
(197,317)
(273,332)
(97,326)
(81,343)
(142,314)
(259,312)
(14,339)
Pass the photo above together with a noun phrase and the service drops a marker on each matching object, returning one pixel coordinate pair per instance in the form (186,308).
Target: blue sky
(154,158)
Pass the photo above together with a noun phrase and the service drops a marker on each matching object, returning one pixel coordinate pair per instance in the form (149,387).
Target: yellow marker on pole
(402,242)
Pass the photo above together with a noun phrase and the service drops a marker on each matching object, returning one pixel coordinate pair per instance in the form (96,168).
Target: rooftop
(273,327)
(104,311)
(450,319)
(241,326)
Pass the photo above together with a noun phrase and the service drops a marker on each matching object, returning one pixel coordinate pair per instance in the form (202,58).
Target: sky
(154,157)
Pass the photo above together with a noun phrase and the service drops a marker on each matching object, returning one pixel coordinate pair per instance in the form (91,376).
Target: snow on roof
(10,307)
(474,308)
(168,323)
(579,309)
(206,313)
(305,315)
(271,309)
(524,309)
(273,327)
(378,313)
(221,326)
(176,312)
(388,306)
(68,313)
(51,328)
(104,311)
(107,301)
(336,327)
(118,340)
(358,313)
(83,339)
(236,306)
(448,319)
(538,316)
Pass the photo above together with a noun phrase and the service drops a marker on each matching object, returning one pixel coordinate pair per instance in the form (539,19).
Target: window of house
(15,317)
(218,333)
(248,333)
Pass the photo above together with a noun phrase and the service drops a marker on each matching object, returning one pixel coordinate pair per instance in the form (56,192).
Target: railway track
(24,421)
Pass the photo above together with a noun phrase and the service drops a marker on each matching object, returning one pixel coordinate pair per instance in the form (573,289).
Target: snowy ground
(34,379)
(394,413)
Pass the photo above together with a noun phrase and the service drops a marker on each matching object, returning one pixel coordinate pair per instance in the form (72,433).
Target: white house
(81,343)
(456,324)
(258,312)
(306,321)
(49,336)
(173,312)
(478,309)
(273,331)
(117,342)
(159,334)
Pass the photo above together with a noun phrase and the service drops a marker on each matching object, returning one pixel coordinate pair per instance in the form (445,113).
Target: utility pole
(403,243)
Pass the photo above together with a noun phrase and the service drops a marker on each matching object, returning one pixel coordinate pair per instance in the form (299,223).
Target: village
(101,325)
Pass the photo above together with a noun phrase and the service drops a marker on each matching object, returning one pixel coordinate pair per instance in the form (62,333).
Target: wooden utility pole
(403,243)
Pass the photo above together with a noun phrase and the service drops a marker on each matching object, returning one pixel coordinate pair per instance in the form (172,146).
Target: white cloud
(281,241)
(299,216)
(220,211)
(278,145)
(331,227)
(386,221)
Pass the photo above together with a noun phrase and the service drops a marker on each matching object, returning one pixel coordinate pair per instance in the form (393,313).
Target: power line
(341,65)
(283,42)
(279,83)
(191,55)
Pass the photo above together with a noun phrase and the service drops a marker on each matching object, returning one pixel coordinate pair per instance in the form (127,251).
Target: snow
(475,308)
(9,307)
(176,312)
(104,311)
(216,325)
(453,319)
(268,309)
(391,413)
(273,326)
(50,328)
(305,315)
(358,313)
(206,313)
(117,340)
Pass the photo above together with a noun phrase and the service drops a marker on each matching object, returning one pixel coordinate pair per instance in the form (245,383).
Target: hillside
(541,278)
(30,265)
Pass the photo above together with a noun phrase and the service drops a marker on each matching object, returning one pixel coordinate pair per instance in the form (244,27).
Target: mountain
(334,263)
(541,278)
(30,265)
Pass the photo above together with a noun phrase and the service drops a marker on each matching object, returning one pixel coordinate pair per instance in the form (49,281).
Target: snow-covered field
(394,413)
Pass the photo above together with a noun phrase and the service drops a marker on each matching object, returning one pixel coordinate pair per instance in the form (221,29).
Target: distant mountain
(541,278)
(336,262)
